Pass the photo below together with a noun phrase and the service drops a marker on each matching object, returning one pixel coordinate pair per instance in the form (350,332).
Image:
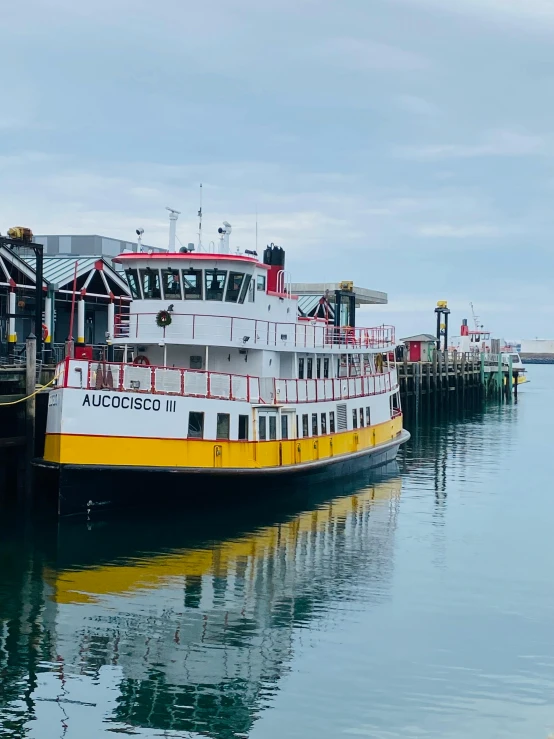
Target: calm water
(417,603)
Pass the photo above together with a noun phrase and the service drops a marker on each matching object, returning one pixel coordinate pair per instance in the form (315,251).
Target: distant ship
(479,341)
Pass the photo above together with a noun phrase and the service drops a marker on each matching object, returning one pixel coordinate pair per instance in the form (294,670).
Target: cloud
(417,106)
(502,143)
(448,231)
(363,55)
(539,12)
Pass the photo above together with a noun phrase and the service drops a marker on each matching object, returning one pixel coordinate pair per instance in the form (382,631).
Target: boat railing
(174,381)
(224,330)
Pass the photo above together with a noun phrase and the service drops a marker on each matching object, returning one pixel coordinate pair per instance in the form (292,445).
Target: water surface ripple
(416,602)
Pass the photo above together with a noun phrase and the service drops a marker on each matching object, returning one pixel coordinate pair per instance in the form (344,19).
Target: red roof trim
(206,256)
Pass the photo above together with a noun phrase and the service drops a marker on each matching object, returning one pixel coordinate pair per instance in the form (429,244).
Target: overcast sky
(405,144)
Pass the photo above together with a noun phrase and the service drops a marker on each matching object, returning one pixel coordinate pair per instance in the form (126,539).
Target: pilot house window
(192,283)
(150,279)
(132,280)
(215,283)
(245,288)
(171,284)
(233,286)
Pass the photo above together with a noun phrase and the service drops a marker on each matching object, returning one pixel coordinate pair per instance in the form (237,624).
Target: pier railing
(230,330)
(218,385)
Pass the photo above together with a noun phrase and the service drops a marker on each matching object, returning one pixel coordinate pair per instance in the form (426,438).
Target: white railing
(247,332)
(218,385)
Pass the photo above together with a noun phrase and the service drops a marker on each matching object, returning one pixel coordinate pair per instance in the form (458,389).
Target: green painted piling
(510,380)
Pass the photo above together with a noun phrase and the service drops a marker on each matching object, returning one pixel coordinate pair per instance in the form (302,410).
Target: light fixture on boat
(245,339)
(139,232)
(171,308)
(251,253)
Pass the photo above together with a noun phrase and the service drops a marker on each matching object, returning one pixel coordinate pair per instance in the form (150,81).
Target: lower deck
(126,451)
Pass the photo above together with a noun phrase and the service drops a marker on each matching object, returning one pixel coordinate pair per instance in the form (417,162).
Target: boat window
(262,434)
(305,427)
(133,282)
(192,282)
(260,283)
(309,373)
(171,284)
(297,427)
(245,286)
(223,423)
(318,368)
(273,428)
(368,416)
(215,282)
(301,368)
(361,417)
(323,423)
(326,368)
(196,425)
(251,291)
(234,284)
(354,418)
(331,422)
(243,428)
(150,279)
(314,424)
(284,426)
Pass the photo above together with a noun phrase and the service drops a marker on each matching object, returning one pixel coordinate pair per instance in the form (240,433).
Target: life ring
(141,359)
(44,332)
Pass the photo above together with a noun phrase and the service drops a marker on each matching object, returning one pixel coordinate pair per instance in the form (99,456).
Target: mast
(173,215)
(475,317)
(200,221)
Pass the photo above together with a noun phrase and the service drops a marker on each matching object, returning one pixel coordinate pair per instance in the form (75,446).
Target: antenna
(173,215)
(256,228)
(200,221)
(475,317)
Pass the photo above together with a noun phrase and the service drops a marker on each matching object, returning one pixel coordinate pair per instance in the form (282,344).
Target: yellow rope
(28,397)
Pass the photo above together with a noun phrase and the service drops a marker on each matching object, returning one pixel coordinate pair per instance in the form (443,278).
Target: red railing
(251,332)
(174,381)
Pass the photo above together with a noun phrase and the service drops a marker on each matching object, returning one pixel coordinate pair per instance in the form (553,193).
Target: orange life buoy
(44,332)
(141,359)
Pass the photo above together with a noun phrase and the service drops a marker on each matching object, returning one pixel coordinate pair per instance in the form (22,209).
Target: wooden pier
(453,379)
(22,422)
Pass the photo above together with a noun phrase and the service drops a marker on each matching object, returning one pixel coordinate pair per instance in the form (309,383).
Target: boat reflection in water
(154,626)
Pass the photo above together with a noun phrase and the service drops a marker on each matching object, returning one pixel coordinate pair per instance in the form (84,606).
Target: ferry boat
(479,341)
(224,383)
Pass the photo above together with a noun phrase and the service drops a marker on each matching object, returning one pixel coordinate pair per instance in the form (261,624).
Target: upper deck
(229,300)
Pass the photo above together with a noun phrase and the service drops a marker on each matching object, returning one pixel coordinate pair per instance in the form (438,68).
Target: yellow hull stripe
(197,453)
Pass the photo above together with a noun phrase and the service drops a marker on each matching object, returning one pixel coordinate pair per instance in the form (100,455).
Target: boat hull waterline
(83,489)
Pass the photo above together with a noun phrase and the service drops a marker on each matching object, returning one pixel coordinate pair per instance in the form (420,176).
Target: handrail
(176,381)
(247,331)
